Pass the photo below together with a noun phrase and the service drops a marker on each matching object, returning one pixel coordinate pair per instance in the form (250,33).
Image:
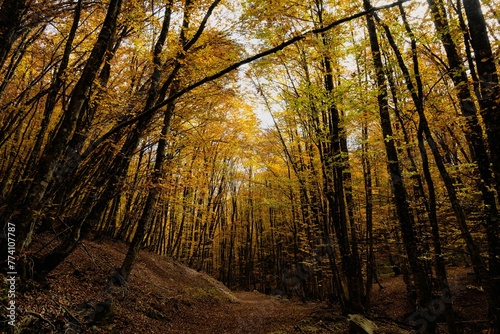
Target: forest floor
(164,296)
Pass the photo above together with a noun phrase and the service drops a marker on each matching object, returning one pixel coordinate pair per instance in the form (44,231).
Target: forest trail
(253,312)
(164,296)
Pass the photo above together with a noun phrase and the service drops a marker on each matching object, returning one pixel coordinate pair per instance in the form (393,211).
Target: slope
(162,296)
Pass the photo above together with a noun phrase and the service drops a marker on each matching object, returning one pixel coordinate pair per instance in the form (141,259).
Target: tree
(423,288)
(46,169)
(11,13)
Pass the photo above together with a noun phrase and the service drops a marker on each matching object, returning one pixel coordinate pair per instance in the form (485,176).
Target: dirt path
(163,296)
(256,313)
(253,313)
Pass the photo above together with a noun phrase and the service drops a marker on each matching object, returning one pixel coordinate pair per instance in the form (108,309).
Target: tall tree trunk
(417,97)
(113,177)
(406,221)
(122,160)
(341,203)
(474,132)
(25,210)
(367,180)
(11,13)
(51,99)
(153,194)
(436,240)
(488,101)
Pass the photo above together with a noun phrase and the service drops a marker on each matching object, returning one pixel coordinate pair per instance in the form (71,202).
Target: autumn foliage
(300,148)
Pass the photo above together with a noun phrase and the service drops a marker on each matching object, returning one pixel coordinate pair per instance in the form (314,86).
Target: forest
(304,148)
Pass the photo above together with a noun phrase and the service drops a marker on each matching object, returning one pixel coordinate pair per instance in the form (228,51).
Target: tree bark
(11,13)
(489,100)
(153,194)
(51,99)
(422,284)
(24,214)
(490,111)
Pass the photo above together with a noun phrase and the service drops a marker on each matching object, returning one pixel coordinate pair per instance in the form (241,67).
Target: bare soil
(164,296)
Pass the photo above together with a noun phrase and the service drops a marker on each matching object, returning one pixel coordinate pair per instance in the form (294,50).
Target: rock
(361,324)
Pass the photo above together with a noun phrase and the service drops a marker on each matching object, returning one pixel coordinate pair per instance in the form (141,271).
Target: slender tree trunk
(120,164)
(489,102)
(436,240)
(153,194)
(26,209)
(474,132)
(417,96)
(11,13)
(341,209)
(51,99)
(490,112)
(488,82)
(407,224)
(367,178)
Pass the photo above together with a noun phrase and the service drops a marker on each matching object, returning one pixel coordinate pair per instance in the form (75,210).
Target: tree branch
(235,66)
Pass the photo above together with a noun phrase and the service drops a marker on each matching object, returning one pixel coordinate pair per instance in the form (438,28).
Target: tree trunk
(367,179)
(436,240)
(51,99)
(24,214)
(153,194)
(341,202)
(489,101)
(11,13)
(407,224)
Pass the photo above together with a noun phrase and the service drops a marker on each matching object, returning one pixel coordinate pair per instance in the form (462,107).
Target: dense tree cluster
(137,120)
